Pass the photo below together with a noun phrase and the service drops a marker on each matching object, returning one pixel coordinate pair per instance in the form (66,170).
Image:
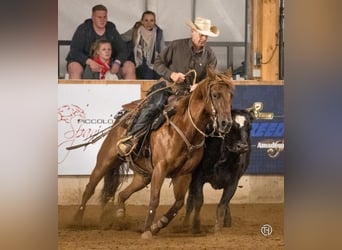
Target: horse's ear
(211,73)
(229,72)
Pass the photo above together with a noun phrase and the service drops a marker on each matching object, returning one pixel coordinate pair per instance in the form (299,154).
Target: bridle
(213,110)
(191,147)
(213,114)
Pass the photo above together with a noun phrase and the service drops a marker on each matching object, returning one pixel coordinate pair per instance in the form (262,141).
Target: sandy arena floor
(100,234)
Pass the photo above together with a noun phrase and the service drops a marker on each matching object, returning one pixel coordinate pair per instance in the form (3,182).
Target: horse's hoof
(217,228)
(147,235)
(155,229)
(120,213)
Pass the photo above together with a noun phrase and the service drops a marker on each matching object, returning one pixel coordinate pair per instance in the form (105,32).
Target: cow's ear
(252,114)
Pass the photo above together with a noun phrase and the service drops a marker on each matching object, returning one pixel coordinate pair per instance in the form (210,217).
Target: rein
(189,113)
(191,147)
(213,110)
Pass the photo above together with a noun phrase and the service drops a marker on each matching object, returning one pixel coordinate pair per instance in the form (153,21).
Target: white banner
(83,110)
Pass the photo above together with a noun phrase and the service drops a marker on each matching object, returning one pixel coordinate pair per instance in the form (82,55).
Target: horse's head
(220,89)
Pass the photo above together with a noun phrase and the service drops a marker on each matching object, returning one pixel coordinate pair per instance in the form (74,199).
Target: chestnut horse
(176,147)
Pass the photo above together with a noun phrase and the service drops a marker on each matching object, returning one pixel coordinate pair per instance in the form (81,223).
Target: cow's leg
(158,177)
(188,209)
(227,195)
(227,217)
(198,203)
(180,187)
(191,199)
(139,182)
(106,159)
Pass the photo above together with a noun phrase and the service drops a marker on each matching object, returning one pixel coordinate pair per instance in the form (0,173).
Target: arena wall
(251,189)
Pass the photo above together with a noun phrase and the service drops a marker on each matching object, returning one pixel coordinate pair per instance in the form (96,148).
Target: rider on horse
(180,56)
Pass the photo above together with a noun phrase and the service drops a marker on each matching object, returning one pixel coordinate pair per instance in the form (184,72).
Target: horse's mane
(215,76)
(226,78)
(201,89)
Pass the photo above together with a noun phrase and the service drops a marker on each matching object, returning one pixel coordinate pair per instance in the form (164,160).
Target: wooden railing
(228,45)
(145,85)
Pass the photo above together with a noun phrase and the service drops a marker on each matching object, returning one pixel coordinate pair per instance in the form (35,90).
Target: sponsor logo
(273,148)
(96,121)
(257,108)
(74,128)
(267,129)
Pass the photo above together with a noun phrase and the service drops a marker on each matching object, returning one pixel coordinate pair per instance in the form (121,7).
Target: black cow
(222,165)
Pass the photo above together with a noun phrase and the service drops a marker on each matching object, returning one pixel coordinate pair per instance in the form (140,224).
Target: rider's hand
(193,86)
(177,77)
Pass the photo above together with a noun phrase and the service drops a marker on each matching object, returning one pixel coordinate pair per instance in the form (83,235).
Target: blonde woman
(145,41)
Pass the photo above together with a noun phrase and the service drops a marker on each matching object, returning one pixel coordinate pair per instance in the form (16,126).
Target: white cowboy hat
(204,27)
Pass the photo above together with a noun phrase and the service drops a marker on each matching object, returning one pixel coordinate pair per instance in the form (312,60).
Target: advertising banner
(267,133)
(83,110)
(86,109)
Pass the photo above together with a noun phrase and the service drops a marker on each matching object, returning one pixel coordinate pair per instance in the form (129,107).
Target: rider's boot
(127,144)
(147,114)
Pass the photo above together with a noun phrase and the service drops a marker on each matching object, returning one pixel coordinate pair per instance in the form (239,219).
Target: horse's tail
(113,180)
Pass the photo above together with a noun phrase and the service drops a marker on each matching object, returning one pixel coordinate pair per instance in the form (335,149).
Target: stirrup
(125,146)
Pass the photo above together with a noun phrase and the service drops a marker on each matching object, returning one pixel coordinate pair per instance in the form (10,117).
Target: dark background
(28,101)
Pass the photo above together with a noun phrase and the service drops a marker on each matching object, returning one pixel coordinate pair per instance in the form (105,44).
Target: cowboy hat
(203,26)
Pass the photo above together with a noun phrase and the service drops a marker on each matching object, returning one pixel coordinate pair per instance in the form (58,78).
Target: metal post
(281,40)
(193,14)
(248,27)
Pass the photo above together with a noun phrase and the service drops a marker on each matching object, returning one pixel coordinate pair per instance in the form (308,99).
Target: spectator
(101,54)
(145,41)
(88,32)
(172,64)
(190,53)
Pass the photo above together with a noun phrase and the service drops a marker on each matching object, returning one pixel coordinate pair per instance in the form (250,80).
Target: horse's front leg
(158,177)
(180,187)
(139,182)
